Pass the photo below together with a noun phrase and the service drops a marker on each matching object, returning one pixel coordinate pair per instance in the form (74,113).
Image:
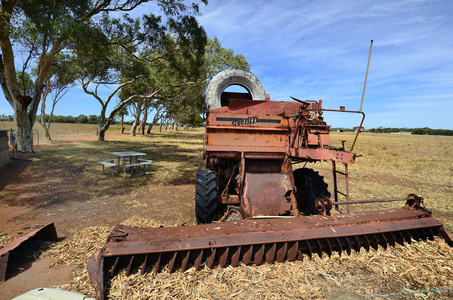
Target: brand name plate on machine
(246,121)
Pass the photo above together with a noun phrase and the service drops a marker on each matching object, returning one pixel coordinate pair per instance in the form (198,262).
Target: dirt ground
(48,194)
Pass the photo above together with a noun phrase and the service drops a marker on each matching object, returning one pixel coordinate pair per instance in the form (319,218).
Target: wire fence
(12,137)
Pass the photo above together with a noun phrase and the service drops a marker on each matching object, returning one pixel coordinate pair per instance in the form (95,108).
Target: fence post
(37,135)
(12,141)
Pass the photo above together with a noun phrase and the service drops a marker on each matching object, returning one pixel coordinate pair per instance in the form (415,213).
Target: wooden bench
(136,166)
(109,164)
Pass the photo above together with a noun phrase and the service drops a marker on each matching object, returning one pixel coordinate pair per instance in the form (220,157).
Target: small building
(4,148)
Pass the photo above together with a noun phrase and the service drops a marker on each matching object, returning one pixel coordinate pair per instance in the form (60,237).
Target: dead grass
(64,131)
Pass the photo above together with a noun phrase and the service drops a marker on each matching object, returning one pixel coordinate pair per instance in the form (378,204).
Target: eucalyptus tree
(60,78)
(25,82)
(186,102)
(137,107)
(120,114)
(38,30)
(139,52)
(159,109)
(217,59)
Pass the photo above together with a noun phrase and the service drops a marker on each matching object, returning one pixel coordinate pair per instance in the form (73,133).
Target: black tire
(206,209)
(227,78)
(310,185)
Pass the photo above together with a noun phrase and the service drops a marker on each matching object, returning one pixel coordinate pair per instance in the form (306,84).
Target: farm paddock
(62,183)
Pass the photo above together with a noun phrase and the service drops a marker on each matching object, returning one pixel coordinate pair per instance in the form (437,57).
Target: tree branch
(103,6)
(85,89)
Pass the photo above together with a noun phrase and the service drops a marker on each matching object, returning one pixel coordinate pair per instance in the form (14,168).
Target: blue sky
(319,50)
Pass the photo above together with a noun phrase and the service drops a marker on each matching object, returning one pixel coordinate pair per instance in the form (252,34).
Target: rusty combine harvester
(269,211)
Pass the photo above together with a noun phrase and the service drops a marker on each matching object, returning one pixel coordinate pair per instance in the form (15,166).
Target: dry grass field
(391,166)
(64,131)
(395,165)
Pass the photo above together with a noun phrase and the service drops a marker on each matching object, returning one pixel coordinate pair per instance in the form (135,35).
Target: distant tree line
(82,119)
(6,118)
(193,121)
(424,130)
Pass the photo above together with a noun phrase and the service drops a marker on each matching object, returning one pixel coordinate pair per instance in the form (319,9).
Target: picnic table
(129,160)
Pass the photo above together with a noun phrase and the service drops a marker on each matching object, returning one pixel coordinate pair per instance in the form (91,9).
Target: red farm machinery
(252,206)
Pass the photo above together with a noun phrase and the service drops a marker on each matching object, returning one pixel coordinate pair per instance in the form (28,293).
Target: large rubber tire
(206,209)
(310,185)
(227,78)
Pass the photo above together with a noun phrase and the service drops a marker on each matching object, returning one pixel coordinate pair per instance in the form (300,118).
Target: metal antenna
(366,76)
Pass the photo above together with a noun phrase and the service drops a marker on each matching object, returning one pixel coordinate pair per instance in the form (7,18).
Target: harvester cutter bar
(256,241)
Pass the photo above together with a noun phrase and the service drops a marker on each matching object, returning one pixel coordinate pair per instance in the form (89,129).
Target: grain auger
(252,206)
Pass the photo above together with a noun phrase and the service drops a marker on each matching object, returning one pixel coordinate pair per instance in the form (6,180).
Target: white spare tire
(227,78)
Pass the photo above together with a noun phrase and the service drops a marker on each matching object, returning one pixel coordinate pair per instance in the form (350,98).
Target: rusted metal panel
(323,154)
(313,139)
(267,194)
(132,240)
(324,140)
(237,149)
(229,199)
(252,232)
(236,139)
(97,271)
(263,108)
(47,232)
(213,129)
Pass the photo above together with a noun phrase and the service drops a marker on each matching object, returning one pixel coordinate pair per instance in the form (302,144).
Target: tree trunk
(138,113)
(160,126)
(101,133)
(24,106)
(24,134)
(24,125)
(46,130)
(45,126)
(104,124)
(134,125)
(144,119)
(154,122)
(143,124)
(150,126)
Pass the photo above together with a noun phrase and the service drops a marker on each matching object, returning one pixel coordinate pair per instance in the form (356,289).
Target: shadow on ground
(12,171)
